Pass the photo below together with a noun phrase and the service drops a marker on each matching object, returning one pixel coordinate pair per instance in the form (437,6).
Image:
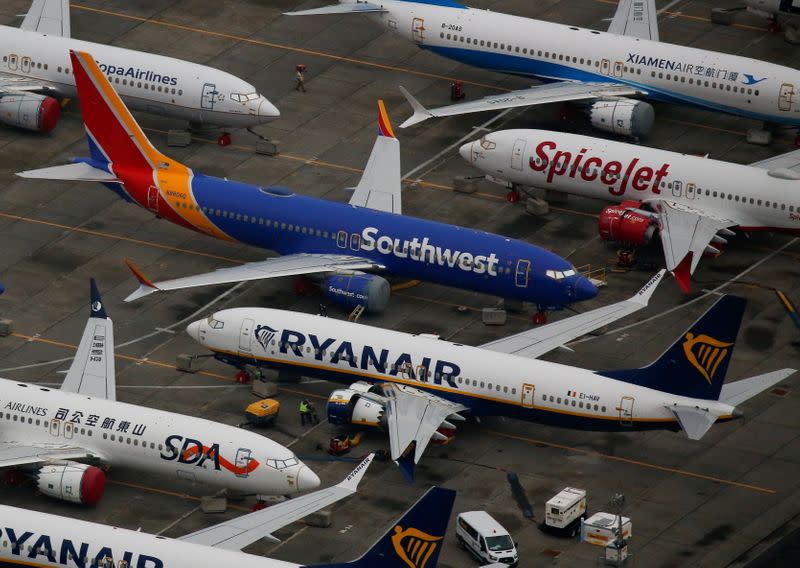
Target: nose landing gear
(224,139)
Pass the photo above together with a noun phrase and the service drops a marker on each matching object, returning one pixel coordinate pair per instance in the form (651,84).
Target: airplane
(58,437)
(771,9)
(692,201)
(413,385)
(36,72)
(334,241)
(44,540)
(600,69)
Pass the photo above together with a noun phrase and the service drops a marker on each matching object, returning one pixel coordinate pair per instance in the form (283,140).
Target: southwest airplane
(689,199)
(336,241)
(601,69)
(42,540)
(55,435)
(36,70)
(422,382)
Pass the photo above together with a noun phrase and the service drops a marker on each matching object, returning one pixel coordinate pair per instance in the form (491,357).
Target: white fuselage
(155,441)
(488,382)
(38,539)
(752,197)
(156,84)
(554,52)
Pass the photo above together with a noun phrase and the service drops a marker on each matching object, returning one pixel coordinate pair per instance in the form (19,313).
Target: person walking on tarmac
(299,78)
(305,412)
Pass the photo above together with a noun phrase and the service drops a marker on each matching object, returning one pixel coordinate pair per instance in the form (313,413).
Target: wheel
(461,543)
(540,318)
(224,139)
(512,196)
(773,26)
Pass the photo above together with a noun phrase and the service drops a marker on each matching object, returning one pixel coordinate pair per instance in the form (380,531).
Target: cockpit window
(243,98)
(487,144)
(215,323)
(281,464)
(560,275)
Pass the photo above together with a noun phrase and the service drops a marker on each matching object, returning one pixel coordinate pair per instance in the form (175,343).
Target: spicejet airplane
(55,435)
(42,540)
(35,71)
(335,241)
(578,64)
(415,384)
(691,200)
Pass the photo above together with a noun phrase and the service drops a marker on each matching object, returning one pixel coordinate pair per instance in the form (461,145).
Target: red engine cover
(93,485)
(49,114)
(619,224)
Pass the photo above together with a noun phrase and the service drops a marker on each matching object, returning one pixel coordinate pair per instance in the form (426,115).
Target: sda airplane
(36,71)
(335,241)
(412,385)
(692,201)
(55,436)
(43,540)
(601,69)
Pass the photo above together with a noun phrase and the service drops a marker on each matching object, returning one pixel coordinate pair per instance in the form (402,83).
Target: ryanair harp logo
(264,335)
(413,546)
(705,353)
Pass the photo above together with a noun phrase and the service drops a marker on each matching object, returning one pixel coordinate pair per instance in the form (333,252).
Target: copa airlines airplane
(335,241)
(55,435)
(44,541)
(36,70)
(578,64)
(422,382)
(689,199)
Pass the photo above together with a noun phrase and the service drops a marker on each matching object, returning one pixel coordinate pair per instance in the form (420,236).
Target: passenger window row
(568,401)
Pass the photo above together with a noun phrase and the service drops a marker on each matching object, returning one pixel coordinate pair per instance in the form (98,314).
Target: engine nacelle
(71,481)
(621,224)
(349,406)
(350,290)
(624,117)
(30,111)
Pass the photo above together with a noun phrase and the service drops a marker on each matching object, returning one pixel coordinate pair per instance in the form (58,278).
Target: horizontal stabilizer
(695,421)
(79,171)
(359,8)
(737,392)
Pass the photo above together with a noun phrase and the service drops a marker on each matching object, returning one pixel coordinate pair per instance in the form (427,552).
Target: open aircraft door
(246,335)
(625,409)
(516,154)
(528,392)
(786,96)
(418,30)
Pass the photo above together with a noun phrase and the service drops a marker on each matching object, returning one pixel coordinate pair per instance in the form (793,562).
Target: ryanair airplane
(347,246)
(415,386)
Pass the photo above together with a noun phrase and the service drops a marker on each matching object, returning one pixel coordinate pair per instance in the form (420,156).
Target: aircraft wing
(635,18)
(288,265)
(686,234)
(737,392)
(49,17)
(16,454)
(245,530)
(537,95)
(10,84)
(92,372)
(535,342)
(413,416)
(355,8)
(379,187)
(782,164)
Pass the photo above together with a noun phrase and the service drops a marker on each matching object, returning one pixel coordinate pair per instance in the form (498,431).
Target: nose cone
(193,329)
(584,289)
(267,111)
(466,151)
(306,479)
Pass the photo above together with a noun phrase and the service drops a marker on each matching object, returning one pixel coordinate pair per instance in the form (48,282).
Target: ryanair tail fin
(414,541)
(696,364)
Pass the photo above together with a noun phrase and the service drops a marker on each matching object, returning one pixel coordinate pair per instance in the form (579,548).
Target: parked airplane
(600,68)
(43,540)
(771,9)
(413,385)
(36,70)
(692,201)
(54,435)
(335,241)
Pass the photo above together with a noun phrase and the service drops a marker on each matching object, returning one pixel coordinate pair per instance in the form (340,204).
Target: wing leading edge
(49,17)
(635,18)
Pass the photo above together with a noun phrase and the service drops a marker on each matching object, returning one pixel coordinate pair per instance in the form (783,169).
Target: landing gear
(224,139)
(243,377)
(626,258)
(303,286)
(540,318)
(513,196)
(774,26)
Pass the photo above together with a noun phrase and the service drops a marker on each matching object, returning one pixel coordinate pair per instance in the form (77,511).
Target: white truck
(601,529)
(564,512)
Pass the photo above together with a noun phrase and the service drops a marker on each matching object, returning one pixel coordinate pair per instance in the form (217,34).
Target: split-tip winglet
(351,481)
(146,286)
(646,292)
(420,112)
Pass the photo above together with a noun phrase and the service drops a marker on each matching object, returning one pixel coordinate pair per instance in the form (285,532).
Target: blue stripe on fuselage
(308,215)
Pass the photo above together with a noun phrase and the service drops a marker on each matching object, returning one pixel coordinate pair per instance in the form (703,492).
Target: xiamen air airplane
(601,69)
(414,386)
(335,241)
(35,71)
(59,437)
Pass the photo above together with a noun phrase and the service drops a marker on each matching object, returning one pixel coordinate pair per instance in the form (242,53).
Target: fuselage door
(55,428)
(677,188)
(522,274)
(25,64)
(418,30)
(786,97)
(527,395)
(625,409)
(69,430)
(12,61)
(209,96)
(605,66)
(152,199)
(691,190)
(516,154)
(246,335)
(341,239)
(243,457)
(618,67)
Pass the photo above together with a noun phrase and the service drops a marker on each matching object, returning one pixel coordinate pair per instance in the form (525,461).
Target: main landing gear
(539,318)
(513,196)
(224,139)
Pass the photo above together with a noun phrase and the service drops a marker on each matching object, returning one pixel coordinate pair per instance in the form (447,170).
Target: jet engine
(71,481)
(30,111)
(361,404)
(625,224)
(624,117)
(350,290)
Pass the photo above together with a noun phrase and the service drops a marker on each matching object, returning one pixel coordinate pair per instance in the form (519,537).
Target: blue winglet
(96,305)
(2,288)
(407,466)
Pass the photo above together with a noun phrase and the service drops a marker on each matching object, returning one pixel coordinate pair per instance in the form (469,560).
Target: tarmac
(722,501)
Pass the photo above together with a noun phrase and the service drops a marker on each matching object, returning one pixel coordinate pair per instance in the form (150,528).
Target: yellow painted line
(405,285)
(179,495)
(630,461)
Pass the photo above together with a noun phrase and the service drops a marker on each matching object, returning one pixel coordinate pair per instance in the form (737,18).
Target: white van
(485,538)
